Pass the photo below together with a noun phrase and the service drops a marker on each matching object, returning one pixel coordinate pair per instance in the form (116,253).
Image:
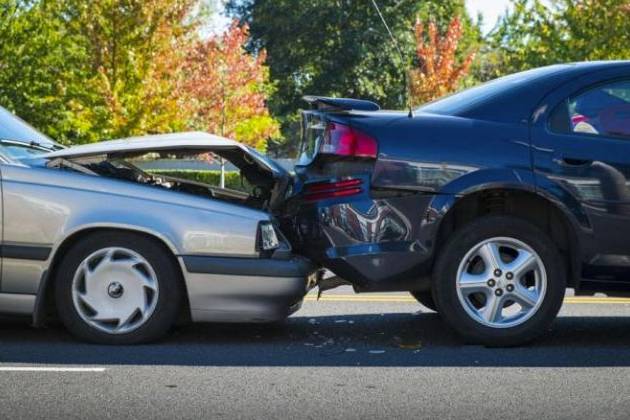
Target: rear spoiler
(324,103)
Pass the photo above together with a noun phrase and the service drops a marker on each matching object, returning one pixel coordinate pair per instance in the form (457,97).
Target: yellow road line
(409,299)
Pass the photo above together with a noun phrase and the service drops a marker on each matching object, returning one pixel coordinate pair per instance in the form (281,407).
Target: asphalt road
(346,357)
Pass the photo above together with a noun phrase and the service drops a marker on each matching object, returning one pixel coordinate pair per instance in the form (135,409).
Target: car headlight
(268,237)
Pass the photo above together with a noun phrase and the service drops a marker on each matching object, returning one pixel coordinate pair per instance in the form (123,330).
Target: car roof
(513,97)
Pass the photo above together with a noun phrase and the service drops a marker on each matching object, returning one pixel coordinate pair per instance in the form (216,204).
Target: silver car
(120,254)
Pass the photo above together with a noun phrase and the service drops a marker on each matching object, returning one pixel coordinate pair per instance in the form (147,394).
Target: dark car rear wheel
(426,299)
(118,288)
(499,281)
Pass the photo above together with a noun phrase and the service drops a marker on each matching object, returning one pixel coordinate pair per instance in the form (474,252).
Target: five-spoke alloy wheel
(118,288)
(499,281)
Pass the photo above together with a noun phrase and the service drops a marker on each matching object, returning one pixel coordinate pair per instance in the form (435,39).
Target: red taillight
(323,190)
(342,140)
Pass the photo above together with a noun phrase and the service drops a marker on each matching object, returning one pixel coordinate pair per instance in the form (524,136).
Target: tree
(40,66)
(87,71)
(535,34)
(224,89)
(339,48)
(133,54)
(438,71)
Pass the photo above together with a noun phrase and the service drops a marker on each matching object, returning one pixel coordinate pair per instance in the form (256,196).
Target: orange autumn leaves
(223,88)
(439,71)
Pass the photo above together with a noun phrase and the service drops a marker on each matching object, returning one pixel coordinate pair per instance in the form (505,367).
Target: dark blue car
(485,205)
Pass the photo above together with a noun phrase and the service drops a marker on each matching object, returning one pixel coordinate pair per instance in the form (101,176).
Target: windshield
(467,99)
(15,129)
(23,152)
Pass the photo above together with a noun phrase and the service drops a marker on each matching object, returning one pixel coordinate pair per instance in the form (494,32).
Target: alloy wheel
(501,282)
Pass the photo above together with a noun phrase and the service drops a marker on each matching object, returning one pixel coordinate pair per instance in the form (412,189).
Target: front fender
(185,230)
(44,207)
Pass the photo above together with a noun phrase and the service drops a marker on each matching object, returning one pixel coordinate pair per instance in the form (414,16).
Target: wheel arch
(521,201)
(45,304)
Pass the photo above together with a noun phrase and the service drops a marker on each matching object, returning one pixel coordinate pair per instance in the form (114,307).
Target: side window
(600,111)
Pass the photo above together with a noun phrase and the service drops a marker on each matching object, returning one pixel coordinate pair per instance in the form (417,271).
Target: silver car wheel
(501,282)
(115,290)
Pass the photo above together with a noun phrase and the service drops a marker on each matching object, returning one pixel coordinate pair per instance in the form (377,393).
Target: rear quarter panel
(433,153)
(384,239)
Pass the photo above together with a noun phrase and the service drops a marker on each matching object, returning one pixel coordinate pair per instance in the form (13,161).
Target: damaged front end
(196,161)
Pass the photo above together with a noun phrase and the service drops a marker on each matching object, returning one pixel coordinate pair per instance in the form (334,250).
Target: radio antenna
(402,57)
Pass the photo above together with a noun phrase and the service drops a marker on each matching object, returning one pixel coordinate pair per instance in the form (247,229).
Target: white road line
(50,369)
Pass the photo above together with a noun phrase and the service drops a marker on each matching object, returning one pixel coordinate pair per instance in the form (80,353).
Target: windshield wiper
(47,147)
(32,144)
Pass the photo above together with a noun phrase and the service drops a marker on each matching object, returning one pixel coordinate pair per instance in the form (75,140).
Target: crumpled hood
(194,140)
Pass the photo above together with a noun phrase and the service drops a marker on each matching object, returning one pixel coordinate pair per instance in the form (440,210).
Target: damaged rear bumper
(375,244)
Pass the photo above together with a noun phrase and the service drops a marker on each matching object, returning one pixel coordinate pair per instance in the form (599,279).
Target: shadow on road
(396,340)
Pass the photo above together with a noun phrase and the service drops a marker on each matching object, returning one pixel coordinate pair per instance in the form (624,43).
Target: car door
(582,146)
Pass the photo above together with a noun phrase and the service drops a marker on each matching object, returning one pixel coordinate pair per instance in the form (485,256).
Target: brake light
(323,190)
(342,140)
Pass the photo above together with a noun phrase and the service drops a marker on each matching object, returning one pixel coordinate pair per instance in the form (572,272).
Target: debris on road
(410,346)
(409,343)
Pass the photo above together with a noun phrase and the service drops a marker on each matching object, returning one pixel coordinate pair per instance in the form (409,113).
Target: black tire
(447,265)
(425,298)
(169,282)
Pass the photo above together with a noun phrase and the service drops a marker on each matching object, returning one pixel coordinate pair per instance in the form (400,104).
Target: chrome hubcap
(115,290)
(501,282)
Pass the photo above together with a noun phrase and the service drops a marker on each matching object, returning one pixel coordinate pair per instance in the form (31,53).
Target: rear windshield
(467,99)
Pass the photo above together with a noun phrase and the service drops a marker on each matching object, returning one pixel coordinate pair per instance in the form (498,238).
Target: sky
(491,10)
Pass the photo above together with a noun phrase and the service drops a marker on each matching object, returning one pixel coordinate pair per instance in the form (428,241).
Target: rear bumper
(376,244)
(245,289)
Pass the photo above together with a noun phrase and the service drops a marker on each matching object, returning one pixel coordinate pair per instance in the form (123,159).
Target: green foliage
(534,34)
(40,72)
(88,71)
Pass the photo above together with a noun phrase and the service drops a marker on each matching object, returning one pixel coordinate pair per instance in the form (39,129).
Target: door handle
(566,161)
